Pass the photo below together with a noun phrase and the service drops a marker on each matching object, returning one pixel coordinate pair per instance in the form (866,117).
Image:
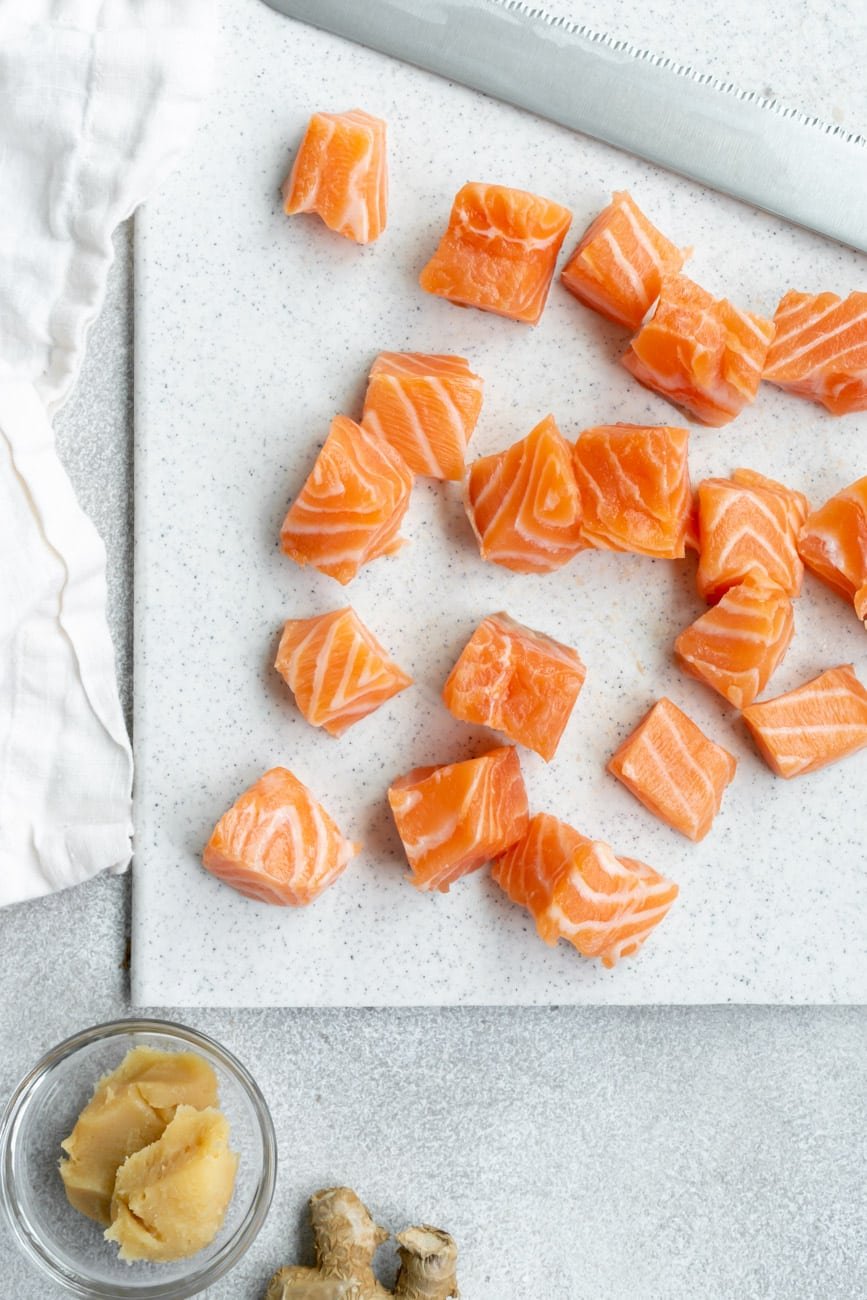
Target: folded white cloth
(97,100)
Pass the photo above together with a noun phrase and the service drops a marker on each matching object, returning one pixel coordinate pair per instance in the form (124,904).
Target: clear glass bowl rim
(232,1250)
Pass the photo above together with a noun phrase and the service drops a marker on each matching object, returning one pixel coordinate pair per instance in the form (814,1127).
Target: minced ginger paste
(149,1156)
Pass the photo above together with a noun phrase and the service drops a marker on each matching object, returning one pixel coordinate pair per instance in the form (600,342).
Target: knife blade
(777,158)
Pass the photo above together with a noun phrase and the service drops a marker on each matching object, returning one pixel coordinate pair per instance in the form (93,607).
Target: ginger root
(346,1238)
(428,1264)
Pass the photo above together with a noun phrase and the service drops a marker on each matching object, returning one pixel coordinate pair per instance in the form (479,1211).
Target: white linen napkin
(98,98)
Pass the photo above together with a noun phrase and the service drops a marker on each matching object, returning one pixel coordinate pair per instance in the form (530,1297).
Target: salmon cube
(820,349)
(833,544)
(814,725)
(517,681)
(454,819)
(277,844)
(336,669)
(618,264)
(426,408)
(341,173)
(634,486)
(736,646)
(499,251)
(674,769)
(701,353)
(576,889)
(524,504)
(748,527)
(351,507)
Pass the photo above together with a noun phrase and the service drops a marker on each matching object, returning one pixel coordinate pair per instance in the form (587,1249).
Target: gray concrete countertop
(636,1154)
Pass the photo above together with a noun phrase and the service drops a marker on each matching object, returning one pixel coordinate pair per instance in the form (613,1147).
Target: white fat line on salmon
(802,325)
(821,342)
(623,263)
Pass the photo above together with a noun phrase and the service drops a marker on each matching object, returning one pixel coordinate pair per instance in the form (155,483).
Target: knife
(776,158)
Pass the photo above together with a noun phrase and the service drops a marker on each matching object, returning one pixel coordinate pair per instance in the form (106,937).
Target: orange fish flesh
(426,408)
(674,769)
(277,844)
(617,267)
(524,504)
(820,349)
(736,646)
(814,725)
(634,485)
(336,669)
(340,172)
(516,680)
(692,536)
(748,526)
(702,353)
(350,509)
(576,888)
(833,544)
(498,252)
(454,819)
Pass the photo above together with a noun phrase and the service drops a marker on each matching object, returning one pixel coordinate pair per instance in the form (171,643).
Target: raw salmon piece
(634,485)
(498,252)
(748,525)
(336,669)
(351,507)
(341,173)
(816,724)
(617,267)
(426,407)
(820,349)
(833,544)
(736,646)
(524,505)
(517,681)
(692,536)
(576,889)
(702,353)
(277,844)
(454,819)
(674,769)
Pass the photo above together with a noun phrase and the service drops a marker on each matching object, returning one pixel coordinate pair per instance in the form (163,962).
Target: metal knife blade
(776,158)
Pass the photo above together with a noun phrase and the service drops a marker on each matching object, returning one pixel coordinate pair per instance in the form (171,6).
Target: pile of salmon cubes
(533,507)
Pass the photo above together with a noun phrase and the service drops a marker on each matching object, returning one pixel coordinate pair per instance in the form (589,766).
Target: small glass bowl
(69,1247)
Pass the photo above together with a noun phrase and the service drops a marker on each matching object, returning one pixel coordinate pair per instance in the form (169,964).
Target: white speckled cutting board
(252,330)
